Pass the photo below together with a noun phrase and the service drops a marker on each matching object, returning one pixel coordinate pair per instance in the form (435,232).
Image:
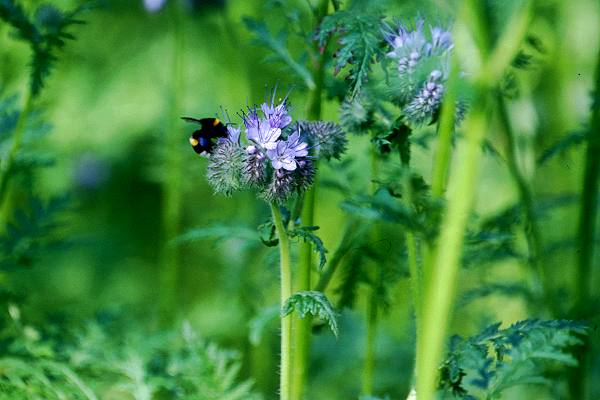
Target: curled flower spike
(425,105)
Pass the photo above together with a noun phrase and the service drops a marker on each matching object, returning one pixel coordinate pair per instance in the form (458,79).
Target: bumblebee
(204,139)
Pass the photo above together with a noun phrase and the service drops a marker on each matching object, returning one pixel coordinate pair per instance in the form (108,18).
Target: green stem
(372,300)
(355,229)
(532,231)
(171,211)
(303,325)
(587,224)
(588,211)
(369,364)
(441,164)
(286,293)
(7,166)
(442,282)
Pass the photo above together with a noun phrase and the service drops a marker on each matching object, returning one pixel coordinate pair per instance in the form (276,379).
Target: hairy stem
(286,293)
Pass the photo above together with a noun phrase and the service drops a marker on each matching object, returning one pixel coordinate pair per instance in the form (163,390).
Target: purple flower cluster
(265,133)
(274,160)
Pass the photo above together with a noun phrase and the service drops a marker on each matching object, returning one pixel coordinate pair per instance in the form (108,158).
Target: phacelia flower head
(269,154)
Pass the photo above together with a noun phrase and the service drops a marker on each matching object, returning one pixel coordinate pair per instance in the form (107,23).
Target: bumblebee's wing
(190,119)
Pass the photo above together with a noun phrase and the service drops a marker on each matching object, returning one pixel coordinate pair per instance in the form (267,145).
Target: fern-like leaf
(306,234)
(360,42)
(313,303)
(496,359)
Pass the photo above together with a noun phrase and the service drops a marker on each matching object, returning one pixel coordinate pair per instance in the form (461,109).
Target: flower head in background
(154,5)
(422,60)
(269,154)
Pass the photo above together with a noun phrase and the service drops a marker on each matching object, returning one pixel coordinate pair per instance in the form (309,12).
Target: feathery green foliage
(46,34)
(358,33)
(485,365)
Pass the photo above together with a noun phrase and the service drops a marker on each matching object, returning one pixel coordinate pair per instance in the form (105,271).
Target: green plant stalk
(416,278)
(586,236)
(303,325)
(441,164)
(532,231)
(354,230)
(7,166)
(171,210)
(369,363)
(372,300)
(286,293)
(439,291)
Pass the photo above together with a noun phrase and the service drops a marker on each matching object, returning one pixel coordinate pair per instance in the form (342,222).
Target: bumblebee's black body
(204,139)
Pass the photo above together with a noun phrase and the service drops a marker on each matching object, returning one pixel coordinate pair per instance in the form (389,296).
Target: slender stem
(7,166)
(441,164)
(585,255)
(171,210)
(532,231)
(286,292)
(355,229)
(588,211)
(416,275)
(369,364)
(303,325)
(372,300)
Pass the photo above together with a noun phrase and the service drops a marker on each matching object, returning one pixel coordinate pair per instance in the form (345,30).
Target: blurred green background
(119,148)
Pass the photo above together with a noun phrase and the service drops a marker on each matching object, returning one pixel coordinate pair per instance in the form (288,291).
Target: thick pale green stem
(439,292)
(286,292)
(171,195)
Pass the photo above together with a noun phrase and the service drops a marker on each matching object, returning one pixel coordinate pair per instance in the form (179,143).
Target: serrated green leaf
(562,146)
(306,234)
(313,303)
